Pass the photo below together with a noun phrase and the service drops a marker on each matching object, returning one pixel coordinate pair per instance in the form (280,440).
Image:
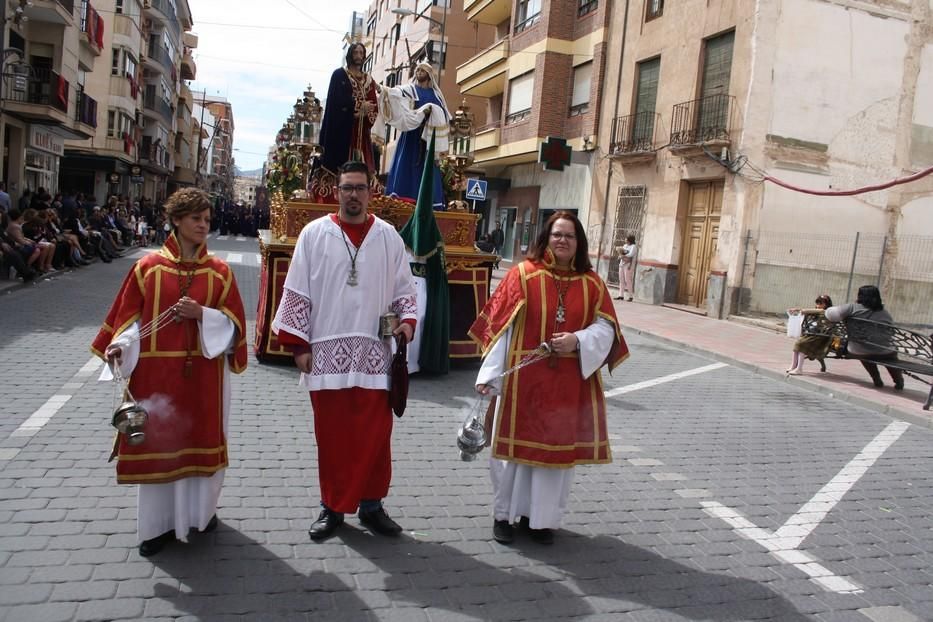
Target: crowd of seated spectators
(43,233)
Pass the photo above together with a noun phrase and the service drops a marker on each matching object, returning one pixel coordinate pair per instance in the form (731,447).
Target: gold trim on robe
(550,415)
(184,433)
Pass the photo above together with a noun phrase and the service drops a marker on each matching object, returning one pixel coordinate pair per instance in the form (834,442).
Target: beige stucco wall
(835,92)
(820,87)
(677,37)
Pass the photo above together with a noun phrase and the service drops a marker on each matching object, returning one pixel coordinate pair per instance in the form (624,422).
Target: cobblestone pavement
(732,496)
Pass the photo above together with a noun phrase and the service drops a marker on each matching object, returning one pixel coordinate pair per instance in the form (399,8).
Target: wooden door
(701,239)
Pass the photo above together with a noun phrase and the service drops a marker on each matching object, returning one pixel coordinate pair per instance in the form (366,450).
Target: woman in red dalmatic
(550,415)
(178,372)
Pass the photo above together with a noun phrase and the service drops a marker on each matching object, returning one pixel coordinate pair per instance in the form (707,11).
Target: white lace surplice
(341,321)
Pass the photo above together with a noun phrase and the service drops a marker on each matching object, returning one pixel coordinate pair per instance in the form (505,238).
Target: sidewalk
(768,353)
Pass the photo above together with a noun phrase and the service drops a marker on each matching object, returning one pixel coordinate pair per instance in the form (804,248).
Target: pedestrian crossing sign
(476,189)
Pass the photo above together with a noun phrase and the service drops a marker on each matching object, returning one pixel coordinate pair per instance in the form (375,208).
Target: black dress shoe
(542,536)
(379,521)
(325,525)
(502,531)
(150,547)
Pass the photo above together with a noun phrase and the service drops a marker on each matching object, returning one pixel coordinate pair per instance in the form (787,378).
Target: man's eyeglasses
(350,188)
(563,236)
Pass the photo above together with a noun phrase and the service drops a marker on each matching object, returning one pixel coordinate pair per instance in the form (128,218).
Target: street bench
(914,350)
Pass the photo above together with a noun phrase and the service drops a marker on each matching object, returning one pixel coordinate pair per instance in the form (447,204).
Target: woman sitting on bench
(868,306)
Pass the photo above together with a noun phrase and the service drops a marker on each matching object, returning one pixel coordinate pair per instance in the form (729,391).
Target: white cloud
(263,68)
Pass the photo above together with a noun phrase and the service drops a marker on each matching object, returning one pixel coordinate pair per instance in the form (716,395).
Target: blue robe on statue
(408,162)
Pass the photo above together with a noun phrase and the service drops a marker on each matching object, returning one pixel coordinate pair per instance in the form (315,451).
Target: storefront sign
(44,140)
(136,179)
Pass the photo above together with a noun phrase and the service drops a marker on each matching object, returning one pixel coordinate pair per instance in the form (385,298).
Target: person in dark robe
(349,114)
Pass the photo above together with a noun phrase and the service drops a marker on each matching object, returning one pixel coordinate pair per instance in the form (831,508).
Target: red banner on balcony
(61,93)
(99,33)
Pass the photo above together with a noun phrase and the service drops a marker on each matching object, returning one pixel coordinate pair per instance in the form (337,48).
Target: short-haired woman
(180,373)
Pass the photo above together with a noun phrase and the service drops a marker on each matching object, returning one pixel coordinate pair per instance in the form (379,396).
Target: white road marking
(240,238)
(783,542)
(44,413)
(39,418)
(234,258)
(222,237)
(808,517)
(663,379)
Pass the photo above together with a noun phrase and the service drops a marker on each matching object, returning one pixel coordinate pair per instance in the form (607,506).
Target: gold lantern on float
(305,127)
(460,155)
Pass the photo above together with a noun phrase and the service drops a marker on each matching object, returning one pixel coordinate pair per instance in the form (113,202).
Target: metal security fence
(785,269)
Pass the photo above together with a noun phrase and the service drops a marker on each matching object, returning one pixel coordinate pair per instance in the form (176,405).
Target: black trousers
(896,374)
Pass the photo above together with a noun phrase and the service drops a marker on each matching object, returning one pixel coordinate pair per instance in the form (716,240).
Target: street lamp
(442,23)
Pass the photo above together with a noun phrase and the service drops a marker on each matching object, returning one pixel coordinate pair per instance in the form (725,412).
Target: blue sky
(262,55)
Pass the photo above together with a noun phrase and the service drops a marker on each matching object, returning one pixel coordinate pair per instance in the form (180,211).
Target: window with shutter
(646,98)
(714,90)
(520,94)
(582,79)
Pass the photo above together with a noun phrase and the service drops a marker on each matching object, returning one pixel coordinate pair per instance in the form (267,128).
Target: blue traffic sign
(476,189)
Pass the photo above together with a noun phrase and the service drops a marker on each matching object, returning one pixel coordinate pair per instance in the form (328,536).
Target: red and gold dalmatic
(550,415)
(184,433)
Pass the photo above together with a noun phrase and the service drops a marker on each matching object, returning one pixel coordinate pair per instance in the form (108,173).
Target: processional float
(468,270)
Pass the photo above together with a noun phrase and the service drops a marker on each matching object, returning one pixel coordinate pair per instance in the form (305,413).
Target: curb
(883,409)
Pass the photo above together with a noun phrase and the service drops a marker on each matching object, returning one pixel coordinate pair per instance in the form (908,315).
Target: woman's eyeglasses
(563,236)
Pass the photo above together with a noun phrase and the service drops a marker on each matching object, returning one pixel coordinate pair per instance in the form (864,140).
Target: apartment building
(141,144)
(245,190)
(710,96)
(540,78)
(215,115)
(433,31)
(49,49)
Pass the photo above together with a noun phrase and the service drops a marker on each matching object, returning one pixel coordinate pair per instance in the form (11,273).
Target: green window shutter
(646,99)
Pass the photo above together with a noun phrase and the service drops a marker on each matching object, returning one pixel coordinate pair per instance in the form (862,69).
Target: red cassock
(550,415)
(184,433)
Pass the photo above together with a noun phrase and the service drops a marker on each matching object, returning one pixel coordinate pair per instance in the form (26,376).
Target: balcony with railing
(705,124)
(189,70)
(154,153)
(484,74)
(488,136)
(157,57)
(40,96)
(86,110)
(92,28)
(487,11)
(162,11)
(633,137)
(154,103)
(50,11)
